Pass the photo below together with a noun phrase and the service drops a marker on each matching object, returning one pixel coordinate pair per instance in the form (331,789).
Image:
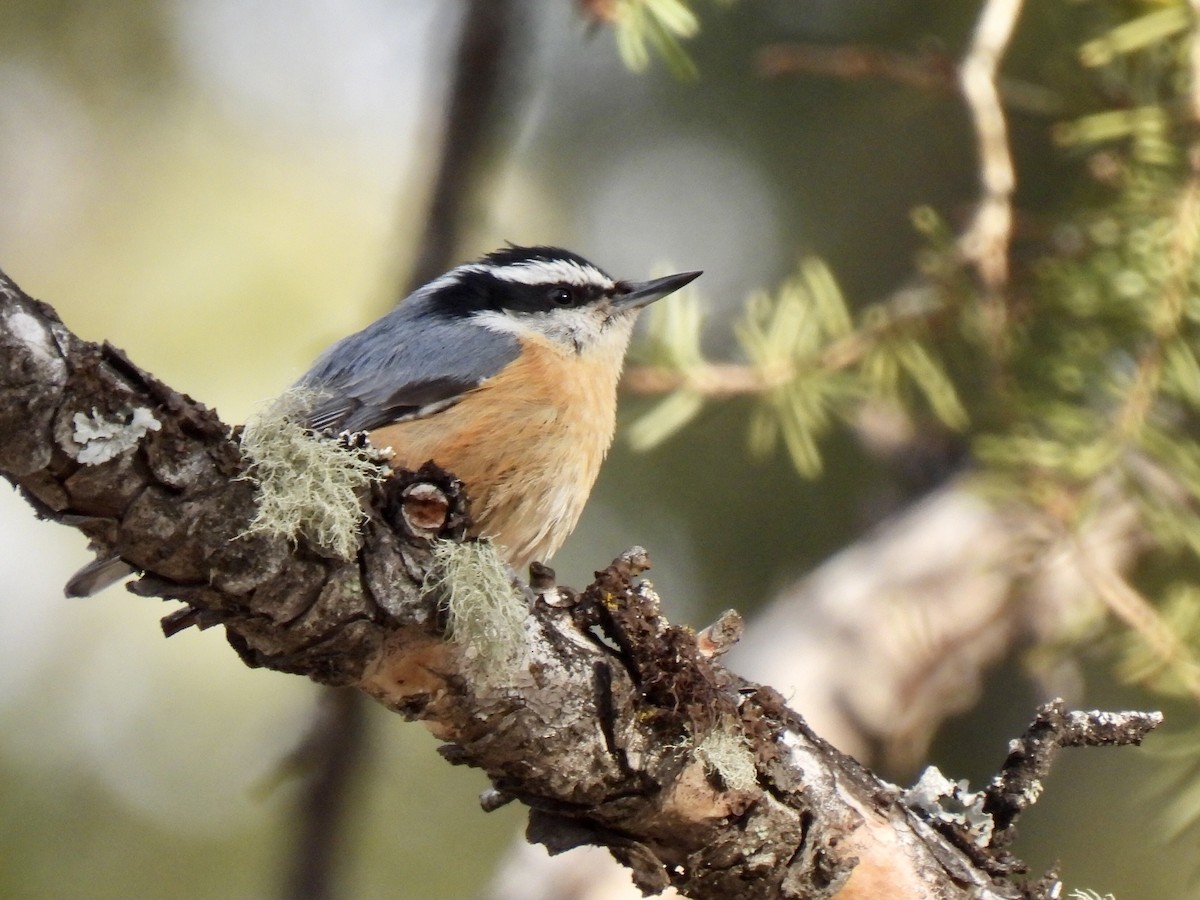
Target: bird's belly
(528,458)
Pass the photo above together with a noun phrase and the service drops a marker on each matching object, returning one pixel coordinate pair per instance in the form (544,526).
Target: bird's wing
(384,374)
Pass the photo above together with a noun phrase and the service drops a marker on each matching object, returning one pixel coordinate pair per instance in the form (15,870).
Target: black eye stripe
(475,292)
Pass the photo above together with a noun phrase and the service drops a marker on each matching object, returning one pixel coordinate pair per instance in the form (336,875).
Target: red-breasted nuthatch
(502,371)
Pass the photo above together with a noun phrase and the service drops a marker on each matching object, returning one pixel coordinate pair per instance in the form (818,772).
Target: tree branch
(1019,781)
(615,727)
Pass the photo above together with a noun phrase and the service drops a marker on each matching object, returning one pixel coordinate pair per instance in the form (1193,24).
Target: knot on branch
(427,504)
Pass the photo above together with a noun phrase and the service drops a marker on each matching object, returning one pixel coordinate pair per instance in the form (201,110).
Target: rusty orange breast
(528,444)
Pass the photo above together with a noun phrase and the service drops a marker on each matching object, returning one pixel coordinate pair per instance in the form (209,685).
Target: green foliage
(658,26)
(1177,782)
(1138,34)
(1084,387)
(809,365)
(1114,336)
(784,339)
(672,341)
(1105,379)
(1144,663)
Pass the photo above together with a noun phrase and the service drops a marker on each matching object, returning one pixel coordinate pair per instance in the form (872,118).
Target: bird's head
(551,294)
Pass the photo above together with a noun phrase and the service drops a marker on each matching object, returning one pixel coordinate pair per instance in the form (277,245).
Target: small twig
(926,71)
(719,637)
(713,380)
(724,380)
(1019,782)
(932,72)
(985,243)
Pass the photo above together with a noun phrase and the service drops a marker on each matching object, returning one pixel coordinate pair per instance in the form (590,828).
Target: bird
(503,372)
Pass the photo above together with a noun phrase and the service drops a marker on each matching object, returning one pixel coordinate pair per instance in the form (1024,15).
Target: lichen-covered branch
(1019,782)
(614,726)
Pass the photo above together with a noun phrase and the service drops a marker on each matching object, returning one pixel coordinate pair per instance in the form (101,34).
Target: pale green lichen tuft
(728,754)
(308,485)
(484,612)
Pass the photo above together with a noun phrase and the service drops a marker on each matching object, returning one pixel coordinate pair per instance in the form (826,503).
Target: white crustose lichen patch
(100,438)
(951,801)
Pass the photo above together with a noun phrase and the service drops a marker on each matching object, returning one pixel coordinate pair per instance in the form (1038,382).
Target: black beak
(636,294)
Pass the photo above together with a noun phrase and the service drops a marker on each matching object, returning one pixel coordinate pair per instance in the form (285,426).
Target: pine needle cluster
(1083,386)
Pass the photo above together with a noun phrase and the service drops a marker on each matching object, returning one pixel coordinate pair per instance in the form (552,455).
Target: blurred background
(223,188)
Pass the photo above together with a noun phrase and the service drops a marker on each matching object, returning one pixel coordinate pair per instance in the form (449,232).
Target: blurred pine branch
(1066,355)
(1074,378)
(643,27)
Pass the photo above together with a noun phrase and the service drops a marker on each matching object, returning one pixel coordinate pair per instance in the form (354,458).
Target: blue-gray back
(392,370)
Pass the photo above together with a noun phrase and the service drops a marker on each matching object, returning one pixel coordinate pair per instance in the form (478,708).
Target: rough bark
(615,727)
(956,579)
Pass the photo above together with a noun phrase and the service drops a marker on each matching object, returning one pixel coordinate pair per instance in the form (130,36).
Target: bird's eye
(561,296)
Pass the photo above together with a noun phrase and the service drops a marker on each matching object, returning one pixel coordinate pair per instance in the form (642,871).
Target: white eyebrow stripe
(541,271)
(499,322)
